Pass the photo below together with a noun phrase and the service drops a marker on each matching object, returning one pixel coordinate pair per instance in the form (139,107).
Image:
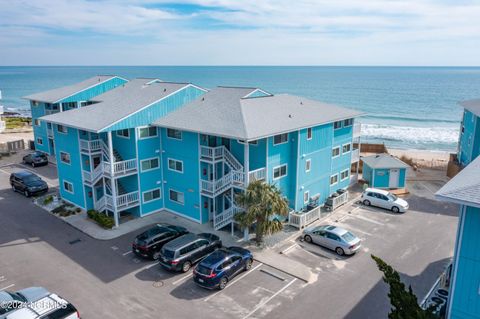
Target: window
(348,122)
(175,165)
(344,175)
(68,187)
(253,142)
(62,129)
(150,164)
(333,179)
(123,133)
(306,197)
(65,158)
(176,134)
(35,103)
(69,105)
(309,133)
(176,197)
(333,237)
(146,132)
(152,195)
(308,165)
(280,139)
(346,148)
(279,171)
(336,151)
(36,122)
(337,125)
(39,141)
(463,129)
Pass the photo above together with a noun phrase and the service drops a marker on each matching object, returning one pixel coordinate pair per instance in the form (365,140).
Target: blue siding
(380,178)
(185,150)
(71,172)
(39,131)
(157,110)
(367,174)
(469,141)
(466,299)
(257,154)
(125,146)
(94,91)
(402,177)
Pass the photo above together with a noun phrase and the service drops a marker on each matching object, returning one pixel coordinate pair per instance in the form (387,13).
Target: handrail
(257,175)
(230,159)
(127,199)
(120,168)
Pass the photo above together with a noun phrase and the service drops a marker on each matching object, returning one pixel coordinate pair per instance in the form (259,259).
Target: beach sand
(423,158)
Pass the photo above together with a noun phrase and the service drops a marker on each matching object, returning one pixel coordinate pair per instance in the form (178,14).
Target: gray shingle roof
(58,94)
(472,105)
(115,104)
(383,161)
(224,111)
(464,188)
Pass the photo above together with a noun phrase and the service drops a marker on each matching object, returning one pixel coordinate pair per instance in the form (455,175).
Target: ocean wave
(411,135)
(410,119)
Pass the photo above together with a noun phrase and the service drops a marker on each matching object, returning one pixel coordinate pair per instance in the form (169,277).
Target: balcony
(257,175)
(93,176)
(48,112)
(357,130)
(89,147)
(214,188)
(211,153)
(122,168)
(124,201)
(355,155)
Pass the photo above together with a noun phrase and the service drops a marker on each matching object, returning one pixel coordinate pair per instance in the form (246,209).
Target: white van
(50,307)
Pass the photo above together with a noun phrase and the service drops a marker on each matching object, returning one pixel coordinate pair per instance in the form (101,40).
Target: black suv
(27,183)
(149,243)
(35,159)
(183,252)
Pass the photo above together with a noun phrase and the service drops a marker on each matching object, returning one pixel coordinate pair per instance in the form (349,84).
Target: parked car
(49,307)
(381,198)
(332,237)
(27,183)
(218,268)
(12,301)
(35,159)
(149,243)
(183,252)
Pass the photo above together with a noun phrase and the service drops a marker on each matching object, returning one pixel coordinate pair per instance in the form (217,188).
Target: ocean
(406,107)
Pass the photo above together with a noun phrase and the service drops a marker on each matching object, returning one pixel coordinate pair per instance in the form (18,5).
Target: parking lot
(105,280)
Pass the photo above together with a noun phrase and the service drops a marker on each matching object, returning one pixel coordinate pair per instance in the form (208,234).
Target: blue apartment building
(149,146)
(464,189)
(469,140)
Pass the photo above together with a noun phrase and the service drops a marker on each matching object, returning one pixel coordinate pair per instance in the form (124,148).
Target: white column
(60,107)
(113,181)
(246,165)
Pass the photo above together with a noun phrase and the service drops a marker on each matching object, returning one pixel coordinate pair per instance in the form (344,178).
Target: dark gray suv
(27,183)
(183,252)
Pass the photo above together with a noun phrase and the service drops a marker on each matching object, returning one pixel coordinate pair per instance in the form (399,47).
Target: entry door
(394,176)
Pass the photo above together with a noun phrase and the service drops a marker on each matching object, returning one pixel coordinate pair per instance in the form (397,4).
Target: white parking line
(269,299)
(128,252)
(7,287)
(183,278)
(2,278)
(230,284)
(152,265)
(368,219)
(428,188)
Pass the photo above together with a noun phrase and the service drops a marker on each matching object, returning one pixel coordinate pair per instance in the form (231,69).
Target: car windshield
(348,237)
(31,178)
(17,296)
(203,270)
(392,197)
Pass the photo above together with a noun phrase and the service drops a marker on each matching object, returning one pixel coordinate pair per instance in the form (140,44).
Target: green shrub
(101,219)
(78,209)
(59,209)
(48,200)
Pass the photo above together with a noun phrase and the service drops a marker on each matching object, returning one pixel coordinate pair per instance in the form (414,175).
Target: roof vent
(301,103)
(203,98)
(290,115)
(165,90)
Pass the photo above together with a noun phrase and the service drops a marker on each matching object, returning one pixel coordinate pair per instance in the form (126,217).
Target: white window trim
(41,141)
(175,160)
(308,197)
(351,121)
(349,150)
(339,151)
(146,137)
(280,177)
(68,156)
(150,169)
(309,166)
(341,125)
(348,174)
(331,179)
(37,122)
(123,136)
(66,129)
(63,185)
(254,143)
(311,132)
(275,144)
(149,191)
(174,138)
(170,199)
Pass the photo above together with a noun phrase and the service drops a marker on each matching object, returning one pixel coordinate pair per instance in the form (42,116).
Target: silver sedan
(332,237)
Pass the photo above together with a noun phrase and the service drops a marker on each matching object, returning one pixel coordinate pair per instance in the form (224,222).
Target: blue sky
(233,32)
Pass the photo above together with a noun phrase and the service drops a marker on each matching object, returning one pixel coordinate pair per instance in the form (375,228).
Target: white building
(2,123)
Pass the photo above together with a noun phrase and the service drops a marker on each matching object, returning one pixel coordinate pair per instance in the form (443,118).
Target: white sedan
(381,198)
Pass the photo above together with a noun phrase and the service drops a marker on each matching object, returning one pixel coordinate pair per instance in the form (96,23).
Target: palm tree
(261,201)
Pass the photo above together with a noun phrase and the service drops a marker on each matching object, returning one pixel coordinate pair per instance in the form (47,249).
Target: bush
(78,209)
(103,220)
(59,209)
(48,200)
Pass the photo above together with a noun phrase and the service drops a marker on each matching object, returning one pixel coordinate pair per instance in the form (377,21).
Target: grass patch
(103,220)
(16,122)
(47,200)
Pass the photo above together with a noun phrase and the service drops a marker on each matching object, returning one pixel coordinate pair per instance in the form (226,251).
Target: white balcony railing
(302,219)
(355,155)
(90,146)
(226,217)
(212,153)
(93,176)
(257,175)
(357,129)
(127,200)
(121,168)
(222,184)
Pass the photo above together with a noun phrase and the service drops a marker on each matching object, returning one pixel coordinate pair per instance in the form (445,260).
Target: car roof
(377,190)
(181,241)
(23,173)
(39,308)
(5,296)
(216,257)
(333,229)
